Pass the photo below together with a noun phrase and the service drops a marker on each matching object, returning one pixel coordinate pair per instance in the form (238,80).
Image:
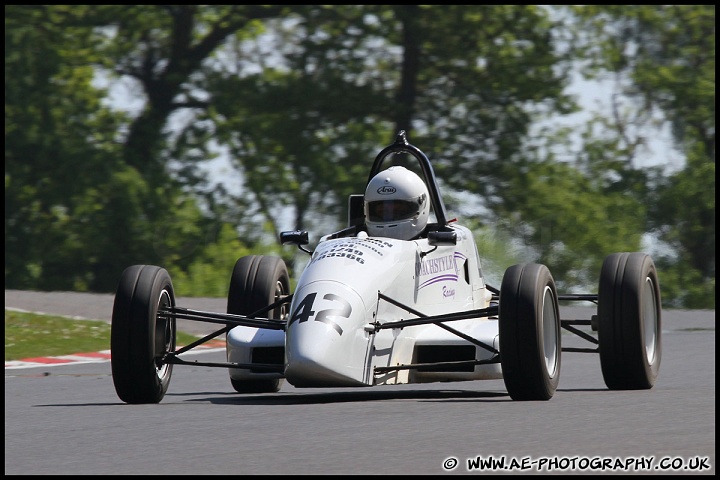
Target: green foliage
(684,287)
(667,52)
(301,99)
(570,222)
(29,335)
(209,273)
(59,147)
(497,251)
(77,212)
(684,213)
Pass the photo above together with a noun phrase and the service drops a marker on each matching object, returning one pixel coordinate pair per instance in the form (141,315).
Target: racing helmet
(397,204)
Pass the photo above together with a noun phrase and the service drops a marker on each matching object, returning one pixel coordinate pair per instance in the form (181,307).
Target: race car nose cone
(326,344)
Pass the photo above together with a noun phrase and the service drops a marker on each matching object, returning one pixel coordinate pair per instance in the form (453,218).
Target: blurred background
(189,136)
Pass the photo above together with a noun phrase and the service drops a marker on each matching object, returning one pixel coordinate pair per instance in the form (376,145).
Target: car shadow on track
(292,398)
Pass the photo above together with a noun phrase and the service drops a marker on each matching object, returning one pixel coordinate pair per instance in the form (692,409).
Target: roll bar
(401,145)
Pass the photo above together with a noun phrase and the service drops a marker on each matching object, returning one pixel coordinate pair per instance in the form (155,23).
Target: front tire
(258,281)
(139,337)
(629,321)
(529,328)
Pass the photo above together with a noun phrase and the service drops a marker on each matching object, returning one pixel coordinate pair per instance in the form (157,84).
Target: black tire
(258,281)
(139,337)
(529,329)
(629,321)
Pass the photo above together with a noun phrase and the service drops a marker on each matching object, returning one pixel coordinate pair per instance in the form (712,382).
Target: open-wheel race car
(396,297)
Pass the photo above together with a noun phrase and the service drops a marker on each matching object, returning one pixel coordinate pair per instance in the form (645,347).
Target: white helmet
(397,204)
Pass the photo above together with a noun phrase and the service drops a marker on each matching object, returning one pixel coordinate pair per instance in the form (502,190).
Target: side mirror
(438,239)
(356,207)
(295,237)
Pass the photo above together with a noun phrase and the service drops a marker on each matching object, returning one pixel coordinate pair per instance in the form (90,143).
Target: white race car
(378,306)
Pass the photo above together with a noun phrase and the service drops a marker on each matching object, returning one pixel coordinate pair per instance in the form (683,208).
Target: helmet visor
(392,210)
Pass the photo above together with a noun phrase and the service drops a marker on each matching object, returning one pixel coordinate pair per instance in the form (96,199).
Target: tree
(665,58)
(81,205)
(346,78)
(303,97)
(59,149)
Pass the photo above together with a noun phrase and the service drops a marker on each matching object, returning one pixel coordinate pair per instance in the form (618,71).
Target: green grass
(29,335)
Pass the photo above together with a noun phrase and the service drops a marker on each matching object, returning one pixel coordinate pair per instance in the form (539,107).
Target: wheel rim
(650,326)
(281,312)
(164,336)
(549,332)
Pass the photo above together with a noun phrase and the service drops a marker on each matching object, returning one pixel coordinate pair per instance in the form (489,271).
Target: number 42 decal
(304,311)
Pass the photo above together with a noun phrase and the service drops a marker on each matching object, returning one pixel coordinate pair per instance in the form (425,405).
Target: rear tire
(529,329)
(139,337)
(629,321)
(258,281)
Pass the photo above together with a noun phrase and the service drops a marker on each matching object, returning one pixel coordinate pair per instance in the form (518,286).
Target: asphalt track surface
(63,420)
